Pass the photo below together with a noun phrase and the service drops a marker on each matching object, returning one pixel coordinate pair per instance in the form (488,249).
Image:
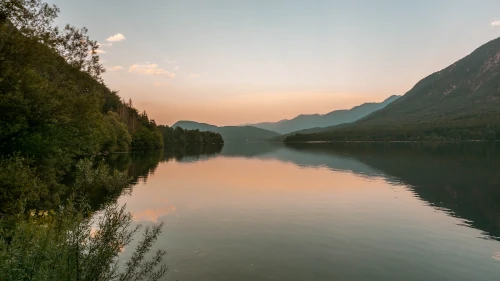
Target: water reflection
(324,211)
(141,165)
(461,179)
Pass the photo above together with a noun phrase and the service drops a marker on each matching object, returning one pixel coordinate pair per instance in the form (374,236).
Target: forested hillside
(460,102)
(56,113)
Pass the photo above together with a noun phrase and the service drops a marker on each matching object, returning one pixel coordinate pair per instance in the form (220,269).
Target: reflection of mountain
(463,179)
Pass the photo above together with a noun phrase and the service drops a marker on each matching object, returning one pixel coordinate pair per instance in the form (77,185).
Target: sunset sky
(235,62)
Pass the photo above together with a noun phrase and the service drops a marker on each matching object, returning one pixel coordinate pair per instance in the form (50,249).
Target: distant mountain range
(274,130)
(460,102)
(230,133)
(336,117)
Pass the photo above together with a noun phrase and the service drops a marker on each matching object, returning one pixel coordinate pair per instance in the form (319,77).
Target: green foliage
(21,188)
(54,108)
(117,136)
(69,245)
(144,139)
(88,177)
(34,20)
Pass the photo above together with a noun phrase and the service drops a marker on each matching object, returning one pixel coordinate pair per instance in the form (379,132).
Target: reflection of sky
(239,183)
(224,214)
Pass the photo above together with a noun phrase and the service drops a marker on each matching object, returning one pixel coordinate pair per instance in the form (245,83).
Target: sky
(237,62)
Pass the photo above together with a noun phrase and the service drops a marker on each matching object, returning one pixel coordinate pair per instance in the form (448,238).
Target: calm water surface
(323,212)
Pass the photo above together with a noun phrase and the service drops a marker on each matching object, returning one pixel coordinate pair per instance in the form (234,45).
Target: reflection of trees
(141,165)
(462,179)
(191,153)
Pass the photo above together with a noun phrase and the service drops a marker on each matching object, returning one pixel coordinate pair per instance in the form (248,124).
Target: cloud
(99,51)
(495,23)
(150,69)
(176,68)
(171,61)
(116,38)
(194,75)
(115,68)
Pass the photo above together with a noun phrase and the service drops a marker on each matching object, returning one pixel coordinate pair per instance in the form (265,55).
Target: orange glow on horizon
(249,109)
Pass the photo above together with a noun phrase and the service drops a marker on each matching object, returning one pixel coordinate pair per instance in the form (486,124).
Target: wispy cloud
(98,51)
(194,75)
(116,38)
(495,23)
(115,68)
(150,69)
(176,68)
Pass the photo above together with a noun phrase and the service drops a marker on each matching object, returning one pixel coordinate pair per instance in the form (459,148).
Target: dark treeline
(177,136)
(483,131)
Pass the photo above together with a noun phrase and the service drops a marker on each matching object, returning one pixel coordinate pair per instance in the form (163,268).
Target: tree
(72,246)
(34,19)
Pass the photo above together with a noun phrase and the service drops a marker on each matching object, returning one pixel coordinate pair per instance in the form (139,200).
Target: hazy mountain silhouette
(305,121)
(230,133)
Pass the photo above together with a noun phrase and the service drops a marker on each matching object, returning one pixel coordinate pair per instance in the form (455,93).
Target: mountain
(230,133)
(191,125)
(460,102)
(336,117)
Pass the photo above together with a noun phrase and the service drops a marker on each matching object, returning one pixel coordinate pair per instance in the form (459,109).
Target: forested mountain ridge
(230,133)
(460,102)
(308,121)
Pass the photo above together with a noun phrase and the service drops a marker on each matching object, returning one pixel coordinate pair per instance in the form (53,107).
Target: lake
(322,211)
